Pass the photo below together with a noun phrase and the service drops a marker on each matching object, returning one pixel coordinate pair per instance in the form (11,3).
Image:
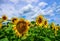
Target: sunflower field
(20,29)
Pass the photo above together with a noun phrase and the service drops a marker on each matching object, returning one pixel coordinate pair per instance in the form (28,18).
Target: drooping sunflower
(14,20)
(53,25)
(39,20)
(56,28)
(4,17)
(21,27)
(45,23)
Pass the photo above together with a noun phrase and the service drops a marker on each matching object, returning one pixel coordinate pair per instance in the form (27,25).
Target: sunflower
(14,20)
(21,27)
(1,20)
(0,25)
(39,20)
(53,26)
(4,17)
(56,29)
(45,23)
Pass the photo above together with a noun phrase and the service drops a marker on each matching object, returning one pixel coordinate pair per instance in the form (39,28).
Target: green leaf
(47,39)
(23,37)
(4,39)
(42,37)
(51,36)
(19,40)
(33,22)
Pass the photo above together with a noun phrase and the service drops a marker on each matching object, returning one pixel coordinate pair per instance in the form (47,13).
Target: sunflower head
(4,17)
(14,20)
(39,20)
(21,27)
(46,23)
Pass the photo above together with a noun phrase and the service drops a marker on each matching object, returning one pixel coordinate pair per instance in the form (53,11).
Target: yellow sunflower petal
(14,20)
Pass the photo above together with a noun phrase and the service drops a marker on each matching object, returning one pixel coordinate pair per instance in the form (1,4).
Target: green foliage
(4,39)
(35,33)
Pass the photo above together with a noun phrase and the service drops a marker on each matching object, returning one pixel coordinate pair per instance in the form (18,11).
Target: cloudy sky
(29,9)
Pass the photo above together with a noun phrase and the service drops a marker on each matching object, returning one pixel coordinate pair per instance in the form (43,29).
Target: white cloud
(14,1)
(35,11)
(58,9)
(30,1)
(44,12)
(8,10)
(42,4)
(47,11)
(11,11)
(32,11)
(18,1)
(27,7)
(10,1)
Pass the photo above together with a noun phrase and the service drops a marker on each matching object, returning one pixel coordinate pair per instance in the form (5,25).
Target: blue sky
(29,9)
